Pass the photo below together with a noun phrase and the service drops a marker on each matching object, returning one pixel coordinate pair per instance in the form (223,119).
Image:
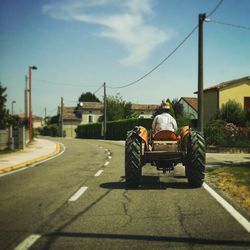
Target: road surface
(79,201)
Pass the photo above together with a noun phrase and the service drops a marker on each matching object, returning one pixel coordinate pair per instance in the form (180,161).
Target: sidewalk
(38,150)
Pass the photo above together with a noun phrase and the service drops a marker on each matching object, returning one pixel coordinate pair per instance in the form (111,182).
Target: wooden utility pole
(202,18)
(61,116)
(105,112)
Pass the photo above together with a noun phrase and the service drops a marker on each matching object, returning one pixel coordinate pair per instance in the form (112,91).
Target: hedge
(50,130)
(117,130)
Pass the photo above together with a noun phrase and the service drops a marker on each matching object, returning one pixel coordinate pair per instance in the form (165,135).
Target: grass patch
(234,180)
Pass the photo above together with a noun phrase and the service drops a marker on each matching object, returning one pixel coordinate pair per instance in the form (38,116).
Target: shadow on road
(148,182)
(200,241)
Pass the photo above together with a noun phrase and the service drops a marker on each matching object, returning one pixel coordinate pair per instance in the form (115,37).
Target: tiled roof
(144,107)
(69,113)
(92,105)
(192,101)
(228,83)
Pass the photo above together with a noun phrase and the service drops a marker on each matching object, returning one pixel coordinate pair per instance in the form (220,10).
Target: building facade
(215,96)
(190,106)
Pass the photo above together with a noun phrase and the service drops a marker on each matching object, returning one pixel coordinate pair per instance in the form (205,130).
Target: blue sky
(79,44)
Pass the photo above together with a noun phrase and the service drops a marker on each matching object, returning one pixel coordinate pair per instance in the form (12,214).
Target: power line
(157,66)
(166,58)
(62,83)
(215,8)
(229,24)
(98,89)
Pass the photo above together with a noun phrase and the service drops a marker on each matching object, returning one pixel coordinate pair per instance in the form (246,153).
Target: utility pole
(202,18)
(61,116)
(26,98)
(105,112)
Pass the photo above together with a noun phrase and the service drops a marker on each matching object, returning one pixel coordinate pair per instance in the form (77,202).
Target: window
(90,118)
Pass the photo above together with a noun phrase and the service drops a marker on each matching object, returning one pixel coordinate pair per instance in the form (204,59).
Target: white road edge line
(76,196)
(242,220)
(98,173)
(35,164)
(28,242)
(106,163)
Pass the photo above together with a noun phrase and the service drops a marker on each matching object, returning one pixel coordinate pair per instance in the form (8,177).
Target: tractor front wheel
(133,163)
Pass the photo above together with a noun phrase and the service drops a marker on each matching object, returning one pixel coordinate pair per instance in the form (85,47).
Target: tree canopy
(117,108)
(88,97)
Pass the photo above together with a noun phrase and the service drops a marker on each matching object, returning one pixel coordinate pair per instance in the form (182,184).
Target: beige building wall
(90,117)
(210,105)
(236,92)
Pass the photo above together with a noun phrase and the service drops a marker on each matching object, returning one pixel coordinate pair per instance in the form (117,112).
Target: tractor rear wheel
(196,154)
(133,163)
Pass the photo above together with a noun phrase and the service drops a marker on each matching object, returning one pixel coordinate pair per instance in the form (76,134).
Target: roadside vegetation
(233,180)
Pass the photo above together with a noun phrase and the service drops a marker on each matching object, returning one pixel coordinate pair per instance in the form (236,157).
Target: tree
(171,111)
(178,108)
(117,108)
(232,112)
(4,113)
(88,97)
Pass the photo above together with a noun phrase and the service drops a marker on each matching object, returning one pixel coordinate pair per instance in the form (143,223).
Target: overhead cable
(166,58)
(228,24)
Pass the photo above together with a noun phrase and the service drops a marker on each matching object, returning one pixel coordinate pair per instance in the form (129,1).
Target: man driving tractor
(164,121)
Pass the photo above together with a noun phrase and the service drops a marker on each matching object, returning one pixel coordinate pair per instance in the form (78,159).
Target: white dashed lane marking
(78,194)
(28,242)
(98,173)
(106,163)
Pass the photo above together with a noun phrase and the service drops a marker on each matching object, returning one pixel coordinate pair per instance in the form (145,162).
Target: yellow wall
(210,105)
(235,92)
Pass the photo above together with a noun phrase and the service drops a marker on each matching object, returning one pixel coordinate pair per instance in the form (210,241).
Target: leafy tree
(4,113)
(117,108)
(171,111)
(88,97)
(178,108)
(232,112)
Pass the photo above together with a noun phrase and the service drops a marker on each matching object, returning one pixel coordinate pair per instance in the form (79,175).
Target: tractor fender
(143,134)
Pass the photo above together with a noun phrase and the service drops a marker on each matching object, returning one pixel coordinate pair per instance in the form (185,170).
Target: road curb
(30,162)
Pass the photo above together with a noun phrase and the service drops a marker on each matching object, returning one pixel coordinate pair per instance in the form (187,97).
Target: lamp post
(12,107)
(30,102)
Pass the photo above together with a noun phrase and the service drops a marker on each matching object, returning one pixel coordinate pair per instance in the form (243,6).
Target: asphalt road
(41,207)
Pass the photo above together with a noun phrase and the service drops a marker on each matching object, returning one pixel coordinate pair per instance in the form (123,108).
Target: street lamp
(30,102)
(12,107)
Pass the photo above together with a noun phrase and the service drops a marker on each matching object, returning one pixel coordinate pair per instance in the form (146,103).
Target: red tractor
(165,150)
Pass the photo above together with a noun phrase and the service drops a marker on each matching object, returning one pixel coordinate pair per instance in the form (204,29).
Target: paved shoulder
(38,150)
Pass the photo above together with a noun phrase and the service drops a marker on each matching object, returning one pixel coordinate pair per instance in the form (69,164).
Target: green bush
(50,130)
(220,133)
(117,130)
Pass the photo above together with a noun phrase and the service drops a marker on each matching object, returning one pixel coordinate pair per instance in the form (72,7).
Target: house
(190,106)
(70,120)
(217,95)
(37,121)
(144,110)
(91,112)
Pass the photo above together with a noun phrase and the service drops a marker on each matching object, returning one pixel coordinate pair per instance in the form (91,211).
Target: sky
(77,45)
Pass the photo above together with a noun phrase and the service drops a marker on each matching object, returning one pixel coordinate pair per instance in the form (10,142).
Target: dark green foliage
(232,112)
(116,130)
(88,97)
(50,130)
(224,134)
(178,108)
(117,108)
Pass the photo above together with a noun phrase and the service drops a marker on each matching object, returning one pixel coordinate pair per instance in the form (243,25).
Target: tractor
(165,150)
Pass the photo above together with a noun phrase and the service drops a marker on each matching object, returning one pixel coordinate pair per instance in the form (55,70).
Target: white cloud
(126,24)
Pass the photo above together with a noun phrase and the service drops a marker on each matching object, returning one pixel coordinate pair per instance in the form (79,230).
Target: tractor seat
(166,135)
